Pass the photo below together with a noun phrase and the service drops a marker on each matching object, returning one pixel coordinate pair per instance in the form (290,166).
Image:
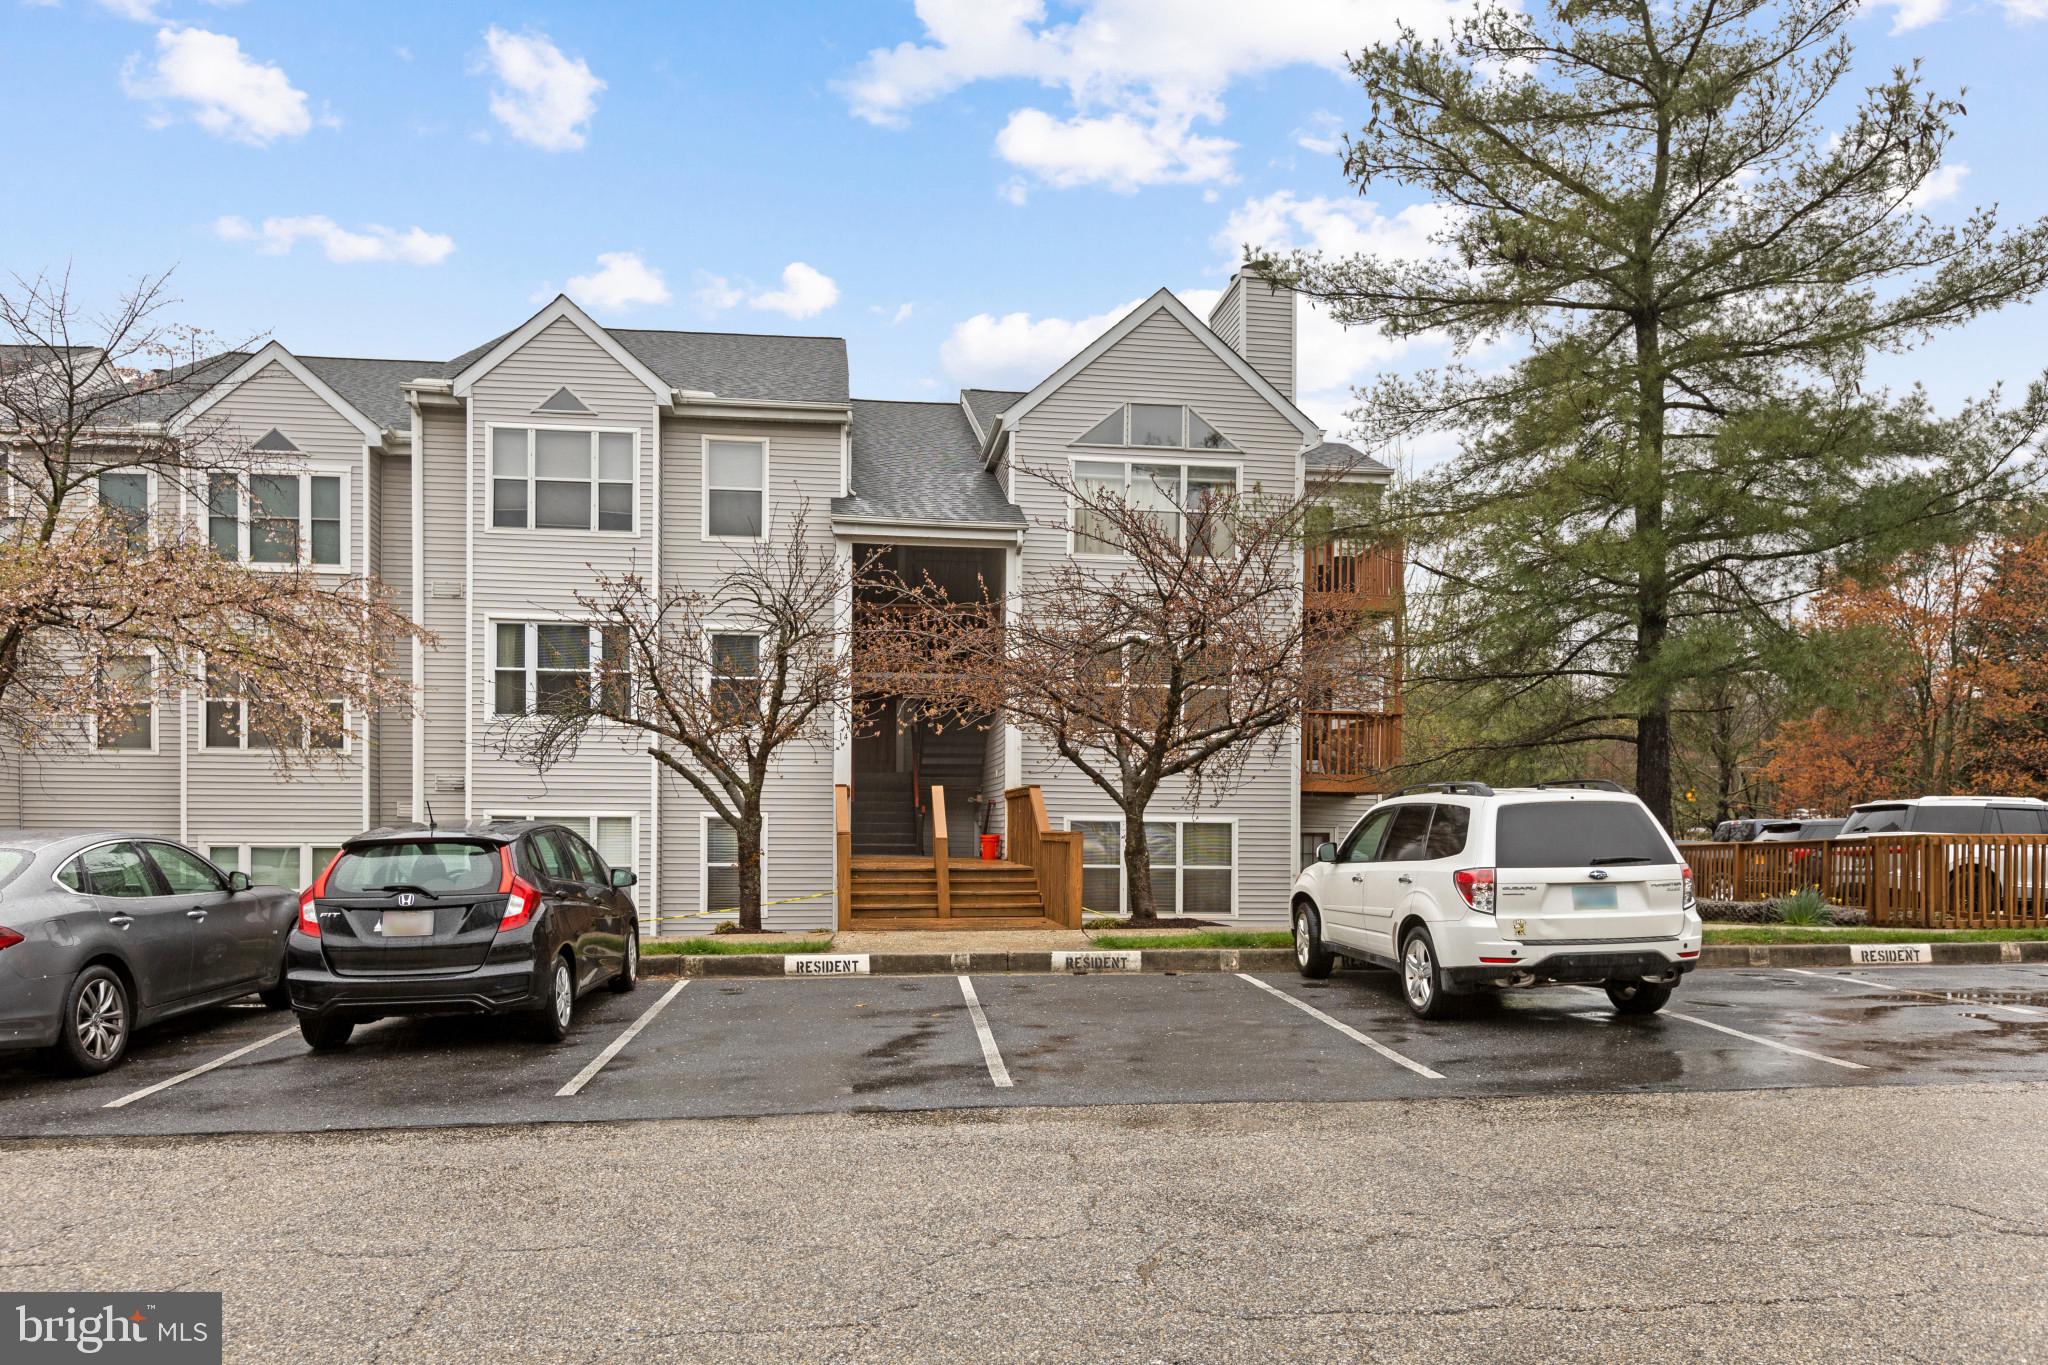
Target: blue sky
(964,189)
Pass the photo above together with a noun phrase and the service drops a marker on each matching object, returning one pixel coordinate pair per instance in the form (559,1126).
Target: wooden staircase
(903,893)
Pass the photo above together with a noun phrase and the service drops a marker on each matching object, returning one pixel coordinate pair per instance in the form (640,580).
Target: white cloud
(1945,183)
(1014,191)
(1324,134)
(1139,73)
(805,293)
(896,316)
(1911,14)
(277,236)
(622,280)
(230,94)
(141,11)
(1016,350)
(543,98)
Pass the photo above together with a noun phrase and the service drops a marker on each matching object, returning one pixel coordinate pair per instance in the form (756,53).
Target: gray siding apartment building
(485,490)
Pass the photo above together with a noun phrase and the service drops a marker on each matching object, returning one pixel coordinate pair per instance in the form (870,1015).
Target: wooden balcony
(1341,576)
(1349,752)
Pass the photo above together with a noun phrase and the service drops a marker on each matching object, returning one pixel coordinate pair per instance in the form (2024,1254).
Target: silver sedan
(102,932)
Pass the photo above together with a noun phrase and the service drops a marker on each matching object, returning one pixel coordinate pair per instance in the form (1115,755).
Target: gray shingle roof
(744,364)
(920,462)
(1334,457)
(989,404)
(371,386)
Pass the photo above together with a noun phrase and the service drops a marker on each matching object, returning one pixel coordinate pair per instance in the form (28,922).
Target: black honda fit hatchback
(506,917)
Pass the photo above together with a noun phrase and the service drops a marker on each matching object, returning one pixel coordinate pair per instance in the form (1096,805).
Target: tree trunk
(1138,868)
(749,838)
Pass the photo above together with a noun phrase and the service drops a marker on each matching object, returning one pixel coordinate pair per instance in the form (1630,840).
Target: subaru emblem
(405,898)
(1596,874)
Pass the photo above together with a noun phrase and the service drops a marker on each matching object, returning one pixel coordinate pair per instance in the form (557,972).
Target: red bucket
(991,847)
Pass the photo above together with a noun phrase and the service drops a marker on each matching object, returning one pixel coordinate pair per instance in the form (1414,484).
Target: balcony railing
(1364,579)
(1348,751)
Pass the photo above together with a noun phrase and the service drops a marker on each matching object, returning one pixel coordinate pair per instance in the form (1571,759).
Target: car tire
(99,1019)
(629,975)
(1637,997)
(550,1023)
(1311,958)
(325,1034)
(278,994)
(1423,985)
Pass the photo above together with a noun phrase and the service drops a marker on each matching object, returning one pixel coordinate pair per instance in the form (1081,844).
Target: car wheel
(551,1020)
(278,994)
(325,1034)
(1422,976)
(1311,958)
(98,1020)
(1637,997)
(629,974)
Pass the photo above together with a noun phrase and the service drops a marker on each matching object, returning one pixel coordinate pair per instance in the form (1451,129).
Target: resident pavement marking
(1349,1032)
(242,1051)
(997,1072)
(1750,1037)
(2021,1010)
(613,1048)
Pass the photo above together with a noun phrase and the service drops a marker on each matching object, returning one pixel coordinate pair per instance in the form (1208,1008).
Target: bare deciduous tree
(105,600)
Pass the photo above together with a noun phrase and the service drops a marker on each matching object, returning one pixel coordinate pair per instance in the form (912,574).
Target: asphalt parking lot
(740,1047)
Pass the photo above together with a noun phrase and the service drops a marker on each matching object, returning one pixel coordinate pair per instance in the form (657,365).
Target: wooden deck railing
(941,879)
(1054,855)
(1922,881)
(1348,750)
(842,852)
(1370,577)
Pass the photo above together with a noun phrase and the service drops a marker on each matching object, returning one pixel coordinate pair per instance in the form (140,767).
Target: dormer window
(1168,426)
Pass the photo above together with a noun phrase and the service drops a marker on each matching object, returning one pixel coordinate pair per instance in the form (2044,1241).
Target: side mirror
(238,881)
(623,877)
(1326,852)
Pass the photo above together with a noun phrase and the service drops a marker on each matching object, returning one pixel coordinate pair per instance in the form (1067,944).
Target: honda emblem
(405,898)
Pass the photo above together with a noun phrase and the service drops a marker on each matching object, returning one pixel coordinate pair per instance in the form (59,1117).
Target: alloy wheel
(101,1019)
(1301,944)
(632,956)
(565,993)
(1418,972)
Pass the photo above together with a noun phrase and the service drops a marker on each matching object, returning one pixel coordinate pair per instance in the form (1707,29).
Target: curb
(1173,960)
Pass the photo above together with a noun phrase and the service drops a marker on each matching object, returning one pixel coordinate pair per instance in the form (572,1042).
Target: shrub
(1803,907)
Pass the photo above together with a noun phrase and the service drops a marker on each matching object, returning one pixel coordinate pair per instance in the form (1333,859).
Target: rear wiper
(408,886)
(1624,858)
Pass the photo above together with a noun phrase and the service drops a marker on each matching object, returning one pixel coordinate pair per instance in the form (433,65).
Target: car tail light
(1686,899)
(520,903)
(309,917)
(8,938)
(1475,884)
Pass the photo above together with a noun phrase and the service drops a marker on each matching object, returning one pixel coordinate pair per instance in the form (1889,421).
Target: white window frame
(704,819)
(241,699)
(532,663)
(593,430)
(709,675)
(563,814)
(1179,889)
(1234,465)
(308,869)
(245,509)
(1230,449)
(156,731)
(149,503)
(704,500)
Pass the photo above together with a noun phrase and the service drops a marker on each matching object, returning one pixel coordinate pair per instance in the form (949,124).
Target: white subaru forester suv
(1461,888)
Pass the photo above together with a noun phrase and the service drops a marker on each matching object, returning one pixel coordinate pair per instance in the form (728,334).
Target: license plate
(408,923)
(1594,898)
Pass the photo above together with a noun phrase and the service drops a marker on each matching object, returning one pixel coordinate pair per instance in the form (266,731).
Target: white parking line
(242,1051)
(997,1072)
(1349,1032)
(613,1048)
(2021,1010)
(1748,1037)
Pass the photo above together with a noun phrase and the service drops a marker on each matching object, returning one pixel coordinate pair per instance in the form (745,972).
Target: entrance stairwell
(1037,887)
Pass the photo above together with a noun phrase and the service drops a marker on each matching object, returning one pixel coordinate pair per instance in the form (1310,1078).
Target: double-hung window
(1193,866)
(735,489)
(735,675)
(124,498)
(126,720)
(1179,499)
(237,717)
(564,479)
(719,873)
(277,519)
(542,667)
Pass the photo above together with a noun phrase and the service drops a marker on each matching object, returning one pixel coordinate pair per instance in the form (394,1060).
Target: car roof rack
(1591,784)
(1448,788)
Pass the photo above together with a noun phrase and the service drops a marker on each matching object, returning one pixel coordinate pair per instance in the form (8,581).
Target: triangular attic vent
(275,440)
(561,400)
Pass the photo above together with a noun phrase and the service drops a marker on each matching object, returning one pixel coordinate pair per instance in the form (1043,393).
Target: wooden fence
(1053,855)
(1921,881)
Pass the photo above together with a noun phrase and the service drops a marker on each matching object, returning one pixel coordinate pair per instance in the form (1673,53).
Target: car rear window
(446,867)
(1578,833)
(1875,820)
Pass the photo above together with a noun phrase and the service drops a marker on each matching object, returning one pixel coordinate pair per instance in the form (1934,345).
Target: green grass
(1201,938)
(1773,934)
(725,945)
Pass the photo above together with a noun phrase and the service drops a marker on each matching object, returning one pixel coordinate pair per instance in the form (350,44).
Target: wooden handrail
(1337,744)
(1053,855)
(1368,575)
(842,852)
(941,877)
